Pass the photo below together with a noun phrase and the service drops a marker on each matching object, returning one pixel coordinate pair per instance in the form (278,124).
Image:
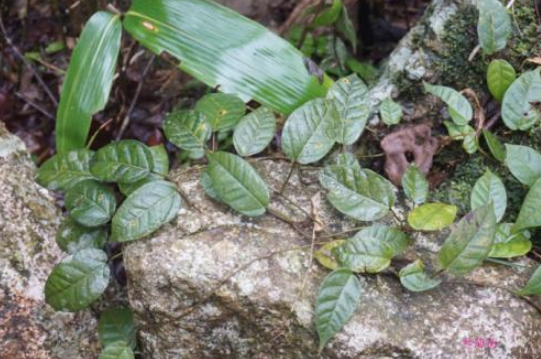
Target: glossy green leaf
(310,132)
(500,75)
(222,48)
(530,211)
(90,203)
(88,80)
(78,280)
(117,350)
(160,160)
(490,188)
(508,244)
(459,108)
(125,161)
(128,188)
(350,95)
(325,255)
(470,242)
(222,111)
(238,184)
(206,183)
(328,16)
(518,113)
(432,216)
(494,26)
(371,249)
(71,237)
(533,287)
(524,163)
(390,111)
(145,210)
(254,132)
(336,302)
(64,170)
(494,145)
(188,130)
(415,184)
(116,325)
(361,194)
(414,277)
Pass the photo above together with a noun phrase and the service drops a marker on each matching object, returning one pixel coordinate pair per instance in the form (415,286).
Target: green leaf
(88,81)
(508,244)
(390,111)
(371,249)
(500,75)
(533,287)
(415,184)
(188,130)
(206,183)
(518,113)
(78,280)
(125,161)
(365,70)
(115,325)
(222,48)
(325,255)
(222,111)
(90,203)
(490,188)
(328,16)
(470,242)
(310,132)
(361,194)
(336,302)
(71,237)
(524,163)
(128,188)
(459,108)
(414,277)
(254,132)
(117,350)
(494,145)
(432,216)
(145,210)
(494,26)
(346,28)
(160,160)
(349,94)
(64,170)
(530,213)
(238,184)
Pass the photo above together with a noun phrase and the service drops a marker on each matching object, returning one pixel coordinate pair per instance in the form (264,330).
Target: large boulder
(29,328)
(214,284)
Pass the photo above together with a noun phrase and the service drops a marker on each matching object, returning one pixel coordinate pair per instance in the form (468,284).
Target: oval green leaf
(238,184)
(71,237)
(115,325)
(254,132)
(145,210)
(500,75)
(336,302)
(524,163)
(494,145)
(459,108)
(432,216)
(390,111)
(490,188)
(88,81)
(117,350)
(494,26)
(90,203)
(415,184)
(533,287)
(508,244)
(64,170)
(78,280)
(530,213)
(414,277)
(188,130)
(518,113)
(222,111)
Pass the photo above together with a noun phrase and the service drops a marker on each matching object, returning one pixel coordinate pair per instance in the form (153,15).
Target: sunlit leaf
(390,111)
(459,108)
(508,244)
(71,237)
(238,184)
(254,132)
(414,277)
(494,145)
(325,255)
(90,203)
(490,188)
(88,80)
(116,324)
(500,75)
(518,113)
(530,211)
(336,302)
(533,287)
(432,216)
(415,184)
(117,350)
(494,26)
(145,210)
(524,163)
(188,130)
(78,280)
(470,242)
(64,170)
(310,132)
(222,48)
(222,111)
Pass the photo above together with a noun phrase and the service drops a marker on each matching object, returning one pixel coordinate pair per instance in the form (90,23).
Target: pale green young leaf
(494,145)
(115,325)
(489,188)
(90,203)
(533,287)
(254,132)
(500,75)
(494,26)
(508,244)
(390,111)
(117,350)
(415,184)
(336,302)
(188,130)
(238,184)
(518,113)
(325,255)
(459,108)
(524,163)
(222,111)
(64,170)
(78,280)
(530,211)
(470,242)
(432,216)
(414,277)
(71,237)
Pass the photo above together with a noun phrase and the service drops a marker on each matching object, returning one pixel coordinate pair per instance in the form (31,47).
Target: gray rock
(29,328)
(214,284)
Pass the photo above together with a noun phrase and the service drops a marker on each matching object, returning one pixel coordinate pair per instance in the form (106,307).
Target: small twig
(291,168)
(103,125)
(34,105)
(480,113)
(295,15)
